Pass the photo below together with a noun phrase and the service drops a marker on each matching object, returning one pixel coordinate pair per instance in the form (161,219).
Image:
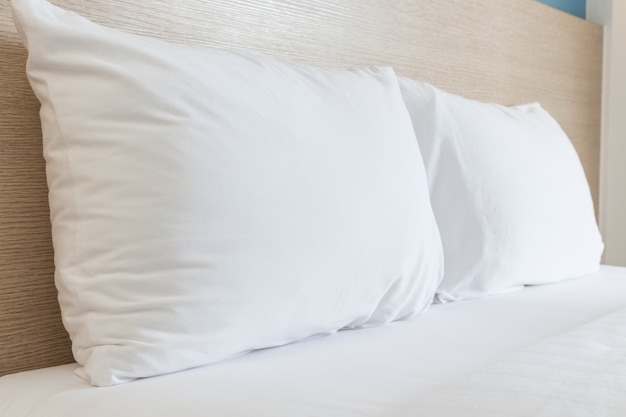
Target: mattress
(425,365)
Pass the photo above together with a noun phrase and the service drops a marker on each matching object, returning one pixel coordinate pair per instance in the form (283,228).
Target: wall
(575,7)
(612,13)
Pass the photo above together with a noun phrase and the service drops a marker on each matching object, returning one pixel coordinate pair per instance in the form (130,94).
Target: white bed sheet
(381,371)
(579,373)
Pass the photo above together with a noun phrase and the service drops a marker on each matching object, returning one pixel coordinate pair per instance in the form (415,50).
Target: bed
(542,335)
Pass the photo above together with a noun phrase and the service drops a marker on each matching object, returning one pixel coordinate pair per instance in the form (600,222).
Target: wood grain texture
(505,51)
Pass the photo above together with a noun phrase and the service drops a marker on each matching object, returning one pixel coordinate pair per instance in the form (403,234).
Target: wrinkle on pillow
(206,203)
(509,194)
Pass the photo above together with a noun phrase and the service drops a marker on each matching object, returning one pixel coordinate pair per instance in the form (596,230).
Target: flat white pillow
(205,203)
(508,191)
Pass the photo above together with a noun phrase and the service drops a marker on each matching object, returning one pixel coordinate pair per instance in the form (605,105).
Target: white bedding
(578,373)
(419,367)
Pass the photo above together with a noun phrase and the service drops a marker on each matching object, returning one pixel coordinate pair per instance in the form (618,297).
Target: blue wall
(575,7)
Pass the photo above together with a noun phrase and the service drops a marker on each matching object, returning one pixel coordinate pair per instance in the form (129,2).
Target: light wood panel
(506,51)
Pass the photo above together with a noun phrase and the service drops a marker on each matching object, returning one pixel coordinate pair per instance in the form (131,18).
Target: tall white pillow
(508,191)
(205,203)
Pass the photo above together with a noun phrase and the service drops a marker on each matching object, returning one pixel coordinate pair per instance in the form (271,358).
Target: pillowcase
(206,203)
(508,191)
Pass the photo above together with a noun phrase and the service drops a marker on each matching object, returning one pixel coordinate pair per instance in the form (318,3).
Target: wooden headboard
(506,51)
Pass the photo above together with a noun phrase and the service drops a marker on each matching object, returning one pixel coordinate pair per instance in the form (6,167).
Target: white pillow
(205,203)
(508,191)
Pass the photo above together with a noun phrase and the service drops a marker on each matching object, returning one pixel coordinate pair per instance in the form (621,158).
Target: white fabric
(508,191)
(205,203)
(580,373)
(376,372)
